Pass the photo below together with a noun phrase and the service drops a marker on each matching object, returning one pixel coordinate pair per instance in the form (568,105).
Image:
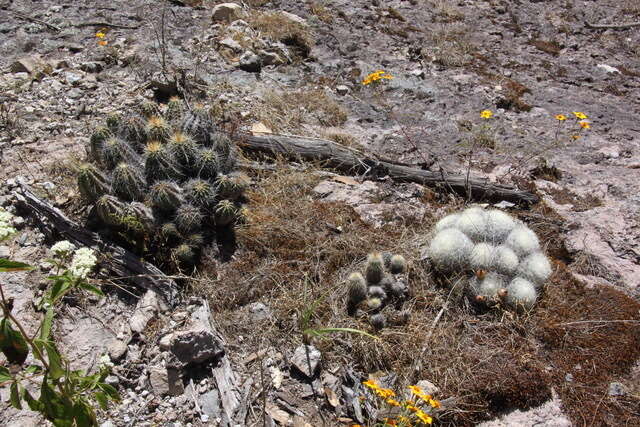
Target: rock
(608,68)
(428,387)
(294,18)
(112,380)
(342,90)
(226,12)
(107,424)
(250,62)
(92,66)
(75,47)
(18,222)
(306,359)
(48,185)
(72,78)
(159,381)
(146,309)
(548,415)
(193,347)
(28,64)
(210,404)
(117,349)
(270,58)
(617,389)
(165,342)
(230,44)
(258,311)
(5,252)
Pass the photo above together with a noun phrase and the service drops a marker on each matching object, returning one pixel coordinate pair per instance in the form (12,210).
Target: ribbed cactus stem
(231,186)
(158,163)
(207,163)
(175,110)
(166,196)
(195,240)
(200,193)
(149,109)
(115,151)
(188,219)
(91,183)
(199,125)
(397,264)
(128,182)
(357,288)
(97,140)
(170,232)
(378,321)
(185,151)
(375,268)
(158,129)
(226,213)
(133,129)
(185,255)
(113,121)
(110,210)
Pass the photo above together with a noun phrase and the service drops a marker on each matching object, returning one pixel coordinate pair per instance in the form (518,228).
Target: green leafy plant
(67,396)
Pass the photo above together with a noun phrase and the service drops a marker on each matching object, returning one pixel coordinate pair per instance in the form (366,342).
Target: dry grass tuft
(278,27)
(450,45)
(548,46)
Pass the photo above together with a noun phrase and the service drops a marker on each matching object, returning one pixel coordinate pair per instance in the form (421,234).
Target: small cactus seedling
(128,182)
(502,251)
(166,196)
(375,268)
(169,158)
(91,183)
(378,321)
(397,264)
(357,289)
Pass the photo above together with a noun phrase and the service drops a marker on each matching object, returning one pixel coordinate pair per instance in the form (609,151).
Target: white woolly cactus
(503,254)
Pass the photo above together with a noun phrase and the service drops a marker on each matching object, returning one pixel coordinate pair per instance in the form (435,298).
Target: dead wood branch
(613,26)
(25,17)
(116,260)
(348,160)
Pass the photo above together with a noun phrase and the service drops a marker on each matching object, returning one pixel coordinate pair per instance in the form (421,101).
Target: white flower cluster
(63,247)
(502,251)
(6,229)
(82,262)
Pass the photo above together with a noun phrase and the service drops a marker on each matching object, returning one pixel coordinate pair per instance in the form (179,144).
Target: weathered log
(352,161)
(117,261)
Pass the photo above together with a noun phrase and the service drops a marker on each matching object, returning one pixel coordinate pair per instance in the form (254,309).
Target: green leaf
(55,361)
(12,344)
(5,375)
(91,288)
(15,396)
(45,329)
(110,391)
(57,408)
(8,265)
(325,331)
(32,369)
(34,405)
(83,414)
(59,289)
(102,399)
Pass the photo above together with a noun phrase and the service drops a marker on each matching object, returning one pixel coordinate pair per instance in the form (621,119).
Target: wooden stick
(613,26)
(21,15)
(349,160)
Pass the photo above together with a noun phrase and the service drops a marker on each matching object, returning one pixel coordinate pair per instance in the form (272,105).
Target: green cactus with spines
(91,183)
(133,129)
(195,240)
(175,110)
(149,109)
(166,196)
(357,290)
(200,193)
(116,151)
(110,210)
(226,213)
(97,140)
(207,163)
(113,121)
(159,164)
(230,186)
(158,129)
(170,232)
(188,218)
(184,150)
(127,182)
(199,125)
(375,268)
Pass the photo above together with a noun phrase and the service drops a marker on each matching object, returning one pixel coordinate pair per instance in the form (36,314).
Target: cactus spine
(166,196)
(127,182)
(200,193)
(188,218)
(91,182)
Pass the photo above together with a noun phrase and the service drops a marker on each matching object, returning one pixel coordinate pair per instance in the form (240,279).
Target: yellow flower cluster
(100,35)
(486,114)
(412,408)
(580,119)
(376,76)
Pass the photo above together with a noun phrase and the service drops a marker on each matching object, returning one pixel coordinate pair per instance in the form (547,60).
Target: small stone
(568,378)
(428,387)
(17,221)
(231,44)
(75,47)
(617,389)
(294,18)
(342,89)
(226,12)
(195,346)
(45,266)
(92,67)
(25,65)
(48,185)
(107,424)
(5,252)
(159,381)
(117,349)
(258,311)
(307,364)
(270,58)
(250,62)
(112,380)
(74,93)
(72,78)
(165,342)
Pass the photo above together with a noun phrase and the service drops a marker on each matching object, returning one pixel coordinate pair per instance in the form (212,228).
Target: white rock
(226,12)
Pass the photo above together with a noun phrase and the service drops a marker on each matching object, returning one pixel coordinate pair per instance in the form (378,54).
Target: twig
(106,24)
(21,15)
(418,363)
(613,26)
(598,321)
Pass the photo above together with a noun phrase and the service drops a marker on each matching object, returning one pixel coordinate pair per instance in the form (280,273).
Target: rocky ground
(296,67)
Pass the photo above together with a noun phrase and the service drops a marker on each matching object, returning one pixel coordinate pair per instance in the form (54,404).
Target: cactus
(357,289)
(535,268)
(97,140)
(166,196)
(110,210)
(133,129)
(185,151)
(91,183)
(185,255)
(201,193)
(128,182)
(450,249)
(522,241)
(207,163)
(195,240)
(115,151)
(113,122)
(482,257)
(397,264)
(230,186)
(174,110)
(226,213)
(188,218)
(377,292)
(149,109)
(158,163)
(374,303)
(378,321)
(170,232)
(375,268)
(198,123)
(158,129)
(521,294)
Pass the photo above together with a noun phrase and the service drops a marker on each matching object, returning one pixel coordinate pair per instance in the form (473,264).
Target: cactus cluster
(501,255)
(382,286)
(163,174)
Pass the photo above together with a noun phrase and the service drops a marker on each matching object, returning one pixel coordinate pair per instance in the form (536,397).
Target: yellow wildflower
(486,114)
(102,42)
(575,137)
(424,417)
(371,384)
(585,125)
(385,393)
(101,34)
(580,115)
(434,403)
(375,76)
(390,422)
(393,402)
(561,117)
